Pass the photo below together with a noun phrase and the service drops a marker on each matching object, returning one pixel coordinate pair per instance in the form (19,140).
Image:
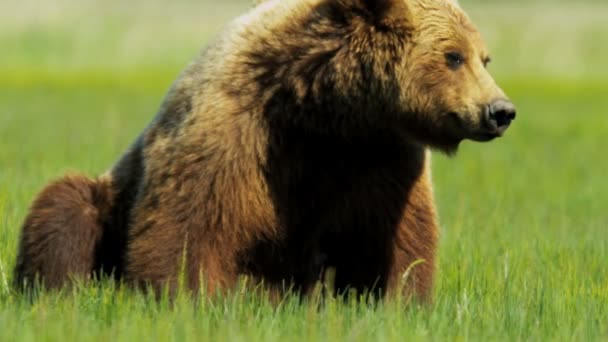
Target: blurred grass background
(524,248)
(543,38)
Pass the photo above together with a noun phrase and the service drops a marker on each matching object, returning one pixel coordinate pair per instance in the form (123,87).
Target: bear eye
(455,60)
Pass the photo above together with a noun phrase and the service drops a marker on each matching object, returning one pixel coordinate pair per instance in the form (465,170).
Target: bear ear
(388,12)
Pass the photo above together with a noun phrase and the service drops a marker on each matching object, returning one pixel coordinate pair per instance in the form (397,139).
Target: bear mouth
(484,137)
(482,132)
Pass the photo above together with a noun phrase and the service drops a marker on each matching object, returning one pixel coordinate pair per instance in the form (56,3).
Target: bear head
(414,67)
(446,88)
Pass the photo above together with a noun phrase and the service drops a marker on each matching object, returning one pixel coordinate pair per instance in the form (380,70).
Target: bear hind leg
(61,232)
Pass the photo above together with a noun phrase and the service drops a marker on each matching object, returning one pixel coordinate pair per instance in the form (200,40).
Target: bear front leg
(414,245)
(200,235)
(413,267)
(361,262)
(399,264)
(165,253)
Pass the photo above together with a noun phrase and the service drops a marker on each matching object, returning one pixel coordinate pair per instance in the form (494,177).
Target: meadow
(524,219)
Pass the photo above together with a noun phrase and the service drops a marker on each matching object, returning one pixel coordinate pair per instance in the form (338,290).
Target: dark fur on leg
(61,232)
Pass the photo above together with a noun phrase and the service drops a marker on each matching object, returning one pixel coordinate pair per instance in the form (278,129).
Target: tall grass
(524,224)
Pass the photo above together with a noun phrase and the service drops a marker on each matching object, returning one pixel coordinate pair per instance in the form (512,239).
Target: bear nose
(501,113)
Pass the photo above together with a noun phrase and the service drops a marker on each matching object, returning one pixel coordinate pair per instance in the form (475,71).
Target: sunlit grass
(524,223)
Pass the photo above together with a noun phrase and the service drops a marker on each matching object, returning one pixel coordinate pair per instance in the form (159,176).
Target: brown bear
(298,141)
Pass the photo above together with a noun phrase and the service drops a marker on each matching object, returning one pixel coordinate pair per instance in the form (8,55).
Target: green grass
(524,220)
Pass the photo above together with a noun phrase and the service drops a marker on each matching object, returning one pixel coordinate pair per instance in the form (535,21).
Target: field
(524,220)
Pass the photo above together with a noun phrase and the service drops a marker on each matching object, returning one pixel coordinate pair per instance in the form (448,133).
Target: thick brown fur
(61,232)
(298,141)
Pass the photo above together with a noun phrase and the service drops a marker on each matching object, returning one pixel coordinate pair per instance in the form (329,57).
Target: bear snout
(499,115)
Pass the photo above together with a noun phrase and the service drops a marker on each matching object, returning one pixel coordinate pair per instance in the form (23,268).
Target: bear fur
(298,141)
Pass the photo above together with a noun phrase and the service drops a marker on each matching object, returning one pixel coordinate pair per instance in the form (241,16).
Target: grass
(524,234)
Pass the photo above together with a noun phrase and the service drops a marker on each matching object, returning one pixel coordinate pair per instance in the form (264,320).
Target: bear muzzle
(496,119)
(500,115)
